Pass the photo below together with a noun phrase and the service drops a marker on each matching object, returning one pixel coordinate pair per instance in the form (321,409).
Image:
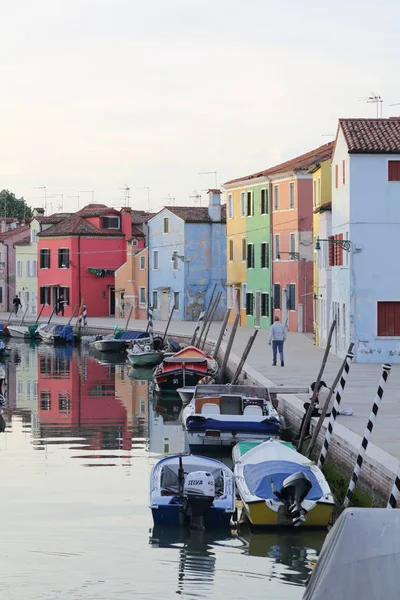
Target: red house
(78,257)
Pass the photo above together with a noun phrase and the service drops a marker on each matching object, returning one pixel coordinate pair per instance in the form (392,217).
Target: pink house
(78,257)
(7,262)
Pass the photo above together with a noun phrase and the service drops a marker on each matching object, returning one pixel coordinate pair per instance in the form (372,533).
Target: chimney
(38,212)
(214,205)
(3,226)
(126,221)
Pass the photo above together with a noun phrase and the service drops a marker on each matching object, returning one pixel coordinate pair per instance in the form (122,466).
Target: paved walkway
(302,363)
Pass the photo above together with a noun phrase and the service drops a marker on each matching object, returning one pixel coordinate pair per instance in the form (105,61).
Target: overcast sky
(96,94)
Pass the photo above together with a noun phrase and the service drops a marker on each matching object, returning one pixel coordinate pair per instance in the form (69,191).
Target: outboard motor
(294,489)
(198,494)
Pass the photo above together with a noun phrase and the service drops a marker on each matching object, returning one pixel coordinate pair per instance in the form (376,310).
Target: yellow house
(236,213)
(322,198)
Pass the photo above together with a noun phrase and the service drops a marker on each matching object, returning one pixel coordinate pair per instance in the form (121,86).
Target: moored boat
(222,415)
(109,343)
(280,487)
(192,490)
(143,355)
(20,332)
(55,334)
(186,393)
(185,368)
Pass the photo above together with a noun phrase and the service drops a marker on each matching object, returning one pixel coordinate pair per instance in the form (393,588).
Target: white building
(366,211)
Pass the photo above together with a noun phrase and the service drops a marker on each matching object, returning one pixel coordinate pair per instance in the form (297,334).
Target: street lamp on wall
(292,255)
(344,244)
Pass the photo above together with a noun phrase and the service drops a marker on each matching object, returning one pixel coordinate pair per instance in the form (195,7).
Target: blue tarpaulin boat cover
(63,331)
(268,426)
(258,478)
(133,335)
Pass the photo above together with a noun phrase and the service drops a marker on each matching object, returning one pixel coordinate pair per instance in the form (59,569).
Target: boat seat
(255,411)
(210,408)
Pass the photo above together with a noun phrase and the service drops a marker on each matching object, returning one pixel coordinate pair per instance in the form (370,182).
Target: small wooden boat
(280,487)
(20,332)
(109,343)
(192,490)
(185,368)
(55,334)
(143,355)
(222,415)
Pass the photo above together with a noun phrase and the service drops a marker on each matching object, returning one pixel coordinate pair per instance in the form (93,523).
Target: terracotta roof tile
(52,219)
(372,136)
(141,216)
(300,163)
(13,232)
(195,214)
(96,210)
(24,242)
(77,225)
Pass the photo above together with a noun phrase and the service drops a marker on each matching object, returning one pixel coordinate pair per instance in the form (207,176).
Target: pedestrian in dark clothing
(16,304)
(60,305)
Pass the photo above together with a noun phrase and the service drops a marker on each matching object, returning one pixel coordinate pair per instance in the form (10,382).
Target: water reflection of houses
(134,396)
(166,432)
(77,395)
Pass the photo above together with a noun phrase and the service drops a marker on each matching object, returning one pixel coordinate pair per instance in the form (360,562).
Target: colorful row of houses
(117,261)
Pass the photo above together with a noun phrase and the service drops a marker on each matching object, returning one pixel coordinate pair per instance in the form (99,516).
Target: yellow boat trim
(260,514)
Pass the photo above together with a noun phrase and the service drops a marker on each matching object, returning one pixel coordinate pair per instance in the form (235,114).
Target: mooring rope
(335,410)
(367,435)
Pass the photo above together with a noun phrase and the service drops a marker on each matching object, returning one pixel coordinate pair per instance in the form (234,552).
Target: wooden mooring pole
(316,387)
(211,318)
(228,349)
(326,406)
(198,325)
(245,354)
(221,333)
(206,316)
(23,318)
(167,327)
(367,435)
(72,316)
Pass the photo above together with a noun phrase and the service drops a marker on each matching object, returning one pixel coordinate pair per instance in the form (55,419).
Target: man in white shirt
(277,337)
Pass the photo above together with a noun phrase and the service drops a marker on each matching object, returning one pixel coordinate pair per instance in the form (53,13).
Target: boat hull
(171,381)
(201,441)
(261,515)
(170,516)
(20,333)
(109,345)
(147,359)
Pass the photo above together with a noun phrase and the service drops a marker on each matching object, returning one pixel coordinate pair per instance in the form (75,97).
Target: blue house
(187,257)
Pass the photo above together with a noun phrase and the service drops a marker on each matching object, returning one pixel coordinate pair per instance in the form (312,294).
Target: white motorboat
(20,332)
(143,355)
(222,415)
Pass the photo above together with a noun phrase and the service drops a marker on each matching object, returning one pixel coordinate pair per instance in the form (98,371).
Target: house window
(230,206)
(243,204)
(166,225)
(249,304)
(155,300)
(250,204)
(276,197)
(45,295)
(19,268)
(277,247)
(45,258)
(64,402)
(343,172)
(175,260)
(231,250)
(315,192)
(264,255)
(335,251)
(142,263)
(336,176)
(176,300)
(142,295)
(63,258)
(1,295)
(155,260)
(291,195)
(45,400)
(264,202)
(244,295)
(244,249)
(110,222)
(319,191)
(394,170)
(389,319)
(265,305)
(33,236)
(292,245)
(34,268)
(27,268)
(291,296)
(230,296)
(277,295)
(64,292)
(250,256)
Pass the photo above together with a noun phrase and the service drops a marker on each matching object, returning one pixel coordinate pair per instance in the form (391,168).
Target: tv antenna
(374,99)
(127,194)
(211,173)
(196,198)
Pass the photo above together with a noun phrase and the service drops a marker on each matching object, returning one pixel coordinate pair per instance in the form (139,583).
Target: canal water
(82,435)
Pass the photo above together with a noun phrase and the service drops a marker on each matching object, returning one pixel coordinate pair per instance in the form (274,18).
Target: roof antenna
(374,99)
(196,198)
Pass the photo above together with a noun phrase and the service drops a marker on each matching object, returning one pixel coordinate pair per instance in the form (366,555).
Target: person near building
(16,304)
(277,337)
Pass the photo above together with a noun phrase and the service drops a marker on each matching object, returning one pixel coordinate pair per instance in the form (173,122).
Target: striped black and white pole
(395,493)
(84,315)
(79,323)
(367,435)
(199,324)
(150,320)
(335,410)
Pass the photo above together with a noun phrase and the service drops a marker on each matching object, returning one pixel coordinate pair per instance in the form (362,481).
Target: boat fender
(198,494)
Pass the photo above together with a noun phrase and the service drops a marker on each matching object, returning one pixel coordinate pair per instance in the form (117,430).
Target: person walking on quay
(60,305)
(16,304)
(277,337)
